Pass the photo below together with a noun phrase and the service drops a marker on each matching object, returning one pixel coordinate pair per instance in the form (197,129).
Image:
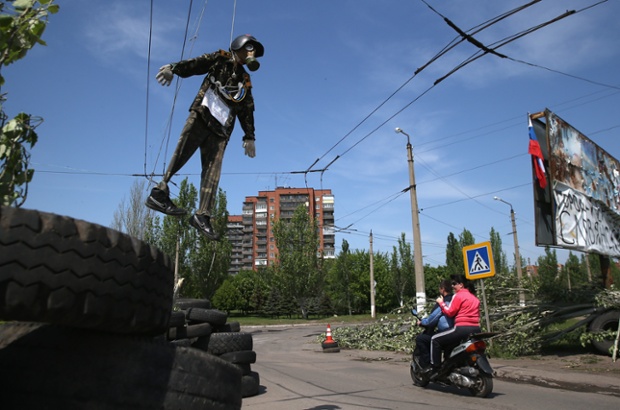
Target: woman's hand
(439,300)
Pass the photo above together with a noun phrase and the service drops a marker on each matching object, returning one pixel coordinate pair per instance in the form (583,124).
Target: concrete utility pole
(517,255)
(372,282)
(415,222)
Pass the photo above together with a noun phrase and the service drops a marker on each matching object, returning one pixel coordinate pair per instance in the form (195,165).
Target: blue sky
(328,65)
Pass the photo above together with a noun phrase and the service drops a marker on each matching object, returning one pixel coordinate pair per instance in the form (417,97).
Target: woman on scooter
(465,310)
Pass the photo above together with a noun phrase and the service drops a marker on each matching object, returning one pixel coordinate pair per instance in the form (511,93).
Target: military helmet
(240,41)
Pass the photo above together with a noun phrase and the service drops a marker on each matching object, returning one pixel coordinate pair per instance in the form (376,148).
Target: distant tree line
(303,284)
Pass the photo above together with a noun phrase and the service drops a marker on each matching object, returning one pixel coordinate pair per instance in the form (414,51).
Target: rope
(232,25)
(166,140)
(148,76)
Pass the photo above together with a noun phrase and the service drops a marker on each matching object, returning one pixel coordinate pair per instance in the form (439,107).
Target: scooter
(466,366)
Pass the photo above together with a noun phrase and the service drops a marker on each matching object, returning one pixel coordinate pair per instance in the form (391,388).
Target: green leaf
(23,4)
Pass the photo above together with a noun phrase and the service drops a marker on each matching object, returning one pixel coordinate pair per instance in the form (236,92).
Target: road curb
(589,383)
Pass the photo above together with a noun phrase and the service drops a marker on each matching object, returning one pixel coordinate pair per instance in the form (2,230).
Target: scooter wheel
(417,378)
(484,386)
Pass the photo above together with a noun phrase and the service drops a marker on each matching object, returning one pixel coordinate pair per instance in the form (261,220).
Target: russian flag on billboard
(537,156)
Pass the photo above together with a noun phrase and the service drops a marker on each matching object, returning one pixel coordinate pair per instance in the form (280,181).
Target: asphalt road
(295,373)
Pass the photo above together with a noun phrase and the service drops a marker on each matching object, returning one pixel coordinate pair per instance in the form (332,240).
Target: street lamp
(415,223)
(517,256)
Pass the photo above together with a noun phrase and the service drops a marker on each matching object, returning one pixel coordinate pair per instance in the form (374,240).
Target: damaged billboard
(576,188)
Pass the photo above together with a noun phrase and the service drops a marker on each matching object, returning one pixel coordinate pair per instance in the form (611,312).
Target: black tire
(484,386)
(186,303)
(190,331)
(245,368)
(228,327)
(46,366)
(606,321)
(418,380)
(211,316)
(201,343)
(177,319)
(182,342)
(242,356)
(226,342)
(250,384)
(61,270)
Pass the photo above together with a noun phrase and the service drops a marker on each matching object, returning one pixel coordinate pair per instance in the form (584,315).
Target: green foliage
(348,281)
(403,270)
(298,271)
(432,277)
(520,332)
(499,257)
(548,275)
(203,264)
(227,297)
(386,334)
(16,139)
(454,256)
(22,23)
(586,338)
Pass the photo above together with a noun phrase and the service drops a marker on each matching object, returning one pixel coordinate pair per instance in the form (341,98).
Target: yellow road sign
(478,260)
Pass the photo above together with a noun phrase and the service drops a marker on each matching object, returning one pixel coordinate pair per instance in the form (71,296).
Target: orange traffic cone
(330,345)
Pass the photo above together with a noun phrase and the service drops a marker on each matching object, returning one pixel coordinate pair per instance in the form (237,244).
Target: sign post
(479,264)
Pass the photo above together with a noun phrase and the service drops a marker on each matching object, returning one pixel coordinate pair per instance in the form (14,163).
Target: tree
(131,216)
(454,251)
(298,270)
(203,264)
(210,260)
(402,269)
(571,271)
(227,297)
(348,280)
(454,255)
(252,289)
(22,24)
(386,298)
(548,278)
(433,275)
(466,238)
(499,257)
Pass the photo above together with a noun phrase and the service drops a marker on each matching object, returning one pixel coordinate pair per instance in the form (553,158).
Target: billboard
(576,189)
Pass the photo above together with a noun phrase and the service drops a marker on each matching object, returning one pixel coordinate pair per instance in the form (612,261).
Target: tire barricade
(199,326)
(89,323)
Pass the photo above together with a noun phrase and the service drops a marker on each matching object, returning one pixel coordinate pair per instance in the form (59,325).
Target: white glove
(164,76)
(250,148)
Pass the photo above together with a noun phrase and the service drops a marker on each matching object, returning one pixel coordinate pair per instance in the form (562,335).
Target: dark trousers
(423,346)
(449,338)
(196,134)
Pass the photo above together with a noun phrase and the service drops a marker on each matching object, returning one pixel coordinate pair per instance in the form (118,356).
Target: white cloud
(120,31)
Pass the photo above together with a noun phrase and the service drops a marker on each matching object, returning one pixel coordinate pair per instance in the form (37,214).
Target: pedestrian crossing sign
(478,260)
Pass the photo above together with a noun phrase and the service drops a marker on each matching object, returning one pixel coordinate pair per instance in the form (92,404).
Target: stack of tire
(194,323)
(85,307)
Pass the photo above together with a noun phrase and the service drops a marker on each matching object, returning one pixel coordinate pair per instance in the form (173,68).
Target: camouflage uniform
(202,130)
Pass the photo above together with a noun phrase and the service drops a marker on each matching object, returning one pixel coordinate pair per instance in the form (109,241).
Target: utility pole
(420,294)
(517,255)
(372,282)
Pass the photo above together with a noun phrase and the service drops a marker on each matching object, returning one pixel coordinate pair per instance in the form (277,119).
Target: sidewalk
(588,373)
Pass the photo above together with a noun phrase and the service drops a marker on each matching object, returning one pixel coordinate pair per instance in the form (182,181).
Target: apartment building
(251,233)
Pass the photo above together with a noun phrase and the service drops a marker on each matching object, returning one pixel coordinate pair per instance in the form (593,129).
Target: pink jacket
(466,308)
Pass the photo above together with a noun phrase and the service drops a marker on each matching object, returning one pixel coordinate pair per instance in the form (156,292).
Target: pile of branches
(522,330)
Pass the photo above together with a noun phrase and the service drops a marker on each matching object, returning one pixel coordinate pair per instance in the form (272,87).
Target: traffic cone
(330,345)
